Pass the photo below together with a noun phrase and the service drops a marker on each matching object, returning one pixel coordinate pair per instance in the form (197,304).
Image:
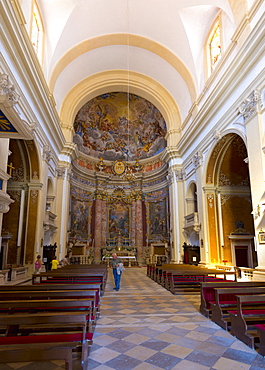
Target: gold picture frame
(262,237)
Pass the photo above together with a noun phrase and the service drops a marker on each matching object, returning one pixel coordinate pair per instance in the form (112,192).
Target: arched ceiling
(162,40)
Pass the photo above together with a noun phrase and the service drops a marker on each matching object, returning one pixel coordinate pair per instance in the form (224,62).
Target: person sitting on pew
(54,263)
(64,261)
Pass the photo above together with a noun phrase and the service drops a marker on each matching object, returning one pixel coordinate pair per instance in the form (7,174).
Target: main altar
(122,247)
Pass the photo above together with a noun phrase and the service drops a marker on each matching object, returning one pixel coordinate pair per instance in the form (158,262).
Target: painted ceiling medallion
(119,167)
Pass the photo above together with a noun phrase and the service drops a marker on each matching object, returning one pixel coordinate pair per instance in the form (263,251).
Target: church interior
(133,127)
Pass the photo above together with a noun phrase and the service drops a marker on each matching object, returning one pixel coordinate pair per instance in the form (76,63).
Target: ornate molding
(61,172)
(5,202)
(180,174)
(8,95)
(210,198)
(46,153)
(34,195)
(225,182)
(226,197)
(249,106)
(197,159)
(15,194)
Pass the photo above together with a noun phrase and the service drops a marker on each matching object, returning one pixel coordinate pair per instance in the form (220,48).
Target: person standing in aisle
(116,264)
(38,265)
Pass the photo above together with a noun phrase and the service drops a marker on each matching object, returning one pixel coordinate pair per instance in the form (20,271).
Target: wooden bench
(49,305)
(174,277)
(93,290)
(52,294)
(250,311)
(226,300)
(70,277)
(48,346)
(261,332)
(192,279)
(208,292)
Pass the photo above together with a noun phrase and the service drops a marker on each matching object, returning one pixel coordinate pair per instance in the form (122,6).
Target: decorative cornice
(70,149)
(46,153)
(61,172)
(170,153)
(197,159)
(5,202)
(180,174)
(8,95)
(249,106)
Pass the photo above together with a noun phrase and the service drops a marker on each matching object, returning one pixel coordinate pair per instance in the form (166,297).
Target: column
(133,218)
(176,178)
(253,117)
(62,209)
(139,229)
(98,234)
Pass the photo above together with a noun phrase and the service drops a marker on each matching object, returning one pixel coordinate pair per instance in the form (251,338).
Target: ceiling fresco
(120,126)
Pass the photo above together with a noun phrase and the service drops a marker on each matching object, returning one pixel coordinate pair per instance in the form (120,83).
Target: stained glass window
(215,45)
(36,32)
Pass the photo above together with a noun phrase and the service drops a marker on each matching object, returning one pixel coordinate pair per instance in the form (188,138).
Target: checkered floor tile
(144,327)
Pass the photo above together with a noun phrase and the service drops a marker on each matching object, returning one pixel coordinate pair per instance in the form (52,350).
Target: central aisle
(144,327)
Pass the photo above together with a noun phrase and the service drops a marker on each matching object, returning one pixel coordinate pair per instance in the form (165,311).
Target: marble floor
(144,327)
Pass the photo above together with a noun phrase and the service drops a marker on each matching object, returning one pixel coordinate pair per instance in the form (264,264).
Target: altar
(129,258)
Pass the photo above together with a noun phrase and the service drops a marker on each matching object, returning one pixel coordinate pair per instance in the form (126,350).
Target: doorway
(241,254)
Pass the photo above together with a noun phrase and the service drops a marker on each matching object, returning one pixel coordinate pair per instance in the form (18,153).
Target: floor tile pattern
(145,327)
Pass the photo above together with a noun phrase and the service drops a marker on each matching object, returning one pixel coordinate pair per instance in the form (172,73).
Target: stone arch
(110,81)
(191,198)
(228,199)
(122,39)
(23,187)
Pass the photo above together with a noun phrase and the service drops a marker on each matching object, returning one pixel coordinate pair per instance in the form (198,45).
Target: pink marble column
(98,234)
(104,222)
(133,226)
(139,230)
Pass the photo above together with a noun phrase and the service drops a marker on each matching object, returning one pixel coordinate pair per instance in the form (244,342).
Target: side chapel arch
(229,206)
(24,188)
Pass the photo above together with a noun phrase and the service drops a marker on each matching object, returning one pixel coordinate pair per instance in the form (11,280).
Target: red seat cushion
(54,338)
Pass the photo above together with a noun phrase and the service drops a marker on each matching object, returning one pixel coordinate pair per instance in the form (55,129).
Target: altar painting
(79,218)
(158,218)
(119,220)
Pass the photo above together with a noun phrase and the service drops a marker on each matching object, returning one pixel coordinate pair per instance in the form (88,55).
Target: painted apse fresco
(120,126)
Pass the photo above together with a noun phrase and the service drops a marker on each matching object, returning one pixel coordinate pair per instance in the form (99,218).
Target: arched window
(37,32)
(214,50)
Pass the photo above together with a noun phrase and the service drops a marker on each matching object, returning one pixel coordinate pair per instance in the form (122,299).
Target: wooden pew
(208,292)
(35,352)
(226,300)
(244,317)
(93,291)
(192,279)
(173,276)
(70,277)
(51,294)
(47,343)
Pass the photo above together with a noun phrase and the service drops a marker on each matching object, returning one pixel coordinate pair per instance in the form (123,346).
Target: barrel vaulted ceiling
(152,48)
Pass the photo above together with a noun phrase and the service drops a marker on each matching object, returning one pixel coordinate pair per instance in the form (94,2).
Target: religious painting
(120,126)
(79,218)
(158,218)
(119,220)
